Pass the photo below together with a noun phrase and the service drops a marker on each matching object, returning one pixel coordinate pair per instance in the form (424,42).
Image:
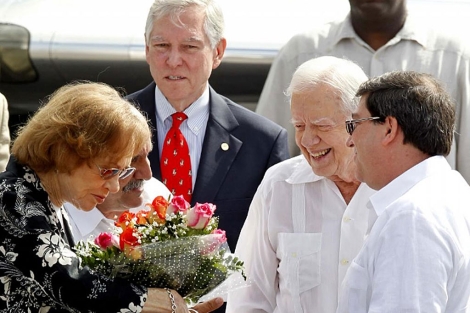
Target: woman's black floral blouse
(38,270)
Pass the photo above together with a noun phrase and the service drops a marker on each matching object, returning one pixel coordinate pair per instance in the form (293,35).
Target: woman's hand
(208,306)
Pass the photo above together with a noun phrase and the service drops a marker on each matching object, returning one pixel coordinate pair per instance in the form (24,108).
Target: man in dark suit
(230,146)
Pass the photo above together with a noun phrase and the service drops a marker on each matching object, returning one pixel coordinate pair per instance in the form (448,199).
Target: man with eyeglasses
(416,257)
(380,36)
(308,218)
(138,187)
(351,124)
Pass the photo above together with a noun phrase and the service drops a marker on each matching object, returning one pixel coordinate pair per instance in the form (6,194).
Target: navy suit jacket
(228,179)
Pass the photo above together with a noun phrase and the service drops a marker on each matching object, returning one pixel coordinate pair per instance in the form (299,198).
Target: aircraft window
(15,62)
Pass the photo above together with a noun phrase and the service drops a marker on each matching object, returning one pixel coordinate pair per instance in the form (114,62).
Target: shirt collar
(195,112)
(411,30)
(345,31)
(414,30)
(400,185)
(86,221)
(303,173)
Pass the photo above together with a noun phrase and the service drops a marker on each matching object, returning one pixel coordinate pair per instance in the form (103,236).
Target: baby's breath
(168,254)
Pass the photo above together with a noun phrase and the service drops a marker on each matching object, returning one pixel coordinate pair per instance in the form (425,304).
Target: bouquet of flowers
(170,245)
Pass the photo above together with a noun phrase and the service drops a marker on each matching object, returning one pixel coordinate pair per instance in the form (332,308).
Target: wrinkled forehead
(186,27)
(318,103)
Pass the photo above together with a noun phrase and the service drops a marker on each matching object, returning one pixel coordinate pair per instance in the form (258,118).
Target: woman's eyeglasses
(352,124)
(107,173)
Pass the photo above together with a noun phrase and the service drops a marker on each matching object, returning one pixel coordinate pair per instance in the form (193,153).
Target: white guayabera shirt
(417,255)
(92,223)
(298,241)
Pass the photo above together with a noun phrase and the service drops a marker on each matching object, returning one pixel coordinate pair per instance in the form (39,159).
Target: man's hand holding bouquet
(171,245)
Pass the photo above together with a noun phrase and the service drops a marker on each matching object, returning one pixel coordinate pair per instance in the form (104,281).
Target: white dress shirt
(86,225)
(298,241)
(193,128)
(4,133)
(417,46)
(417,255)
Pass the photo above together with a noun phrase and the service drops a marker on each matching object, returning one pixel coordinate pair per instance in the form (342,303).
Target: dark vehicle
(47,43)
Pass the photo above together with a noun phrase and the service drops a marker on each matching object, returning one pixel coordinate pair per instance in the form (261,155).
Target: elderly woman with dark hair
(74,149)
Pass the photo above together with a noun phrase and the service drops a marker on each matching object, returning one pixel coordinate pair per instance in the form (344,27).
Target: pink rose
(198,217)
(105,240)
(177,204)
(213,241)
(220,235)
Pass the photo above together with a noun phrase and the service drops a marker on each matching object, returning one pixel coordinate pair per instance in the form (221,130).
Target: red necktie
(175,161)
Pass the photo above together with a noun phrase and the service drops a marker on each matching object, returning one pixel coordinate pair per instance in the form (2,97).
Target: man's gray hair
(214,19)
(343,75)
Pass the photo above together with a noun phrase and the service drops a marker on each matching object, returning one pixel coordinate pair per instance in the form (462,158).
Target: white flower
(44,309)
(53,250)
(143,298)
(54,218)
(132,308)
(10,256)
(6,282)
(29,177)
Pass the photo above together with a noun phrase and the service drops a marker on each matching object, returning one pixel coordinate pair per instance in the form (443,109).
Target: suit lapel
(146,101)
(216,159)
(218,152)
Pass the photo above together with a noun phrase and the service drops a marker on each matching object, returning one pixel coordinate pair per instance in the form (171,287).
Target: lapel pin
(224,146)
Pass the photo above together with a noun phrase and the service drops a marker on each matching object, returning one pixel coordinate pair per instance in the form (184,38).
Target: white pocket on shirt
(354,290)
(299,266)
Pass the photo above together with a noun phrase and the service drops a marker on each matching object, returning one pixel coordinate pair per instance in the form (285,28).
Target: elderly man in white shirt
(416,257)
(380,37)
(136,191)
(308,218)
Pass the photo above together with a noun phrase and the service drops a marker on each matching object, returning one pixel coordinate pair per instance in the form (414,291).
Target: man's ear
(219,53)
(391,130)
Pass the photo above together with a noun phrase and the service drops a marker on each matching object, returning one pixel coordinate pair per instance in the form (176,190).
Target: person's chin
(86,206)
(373,10)
(360,175)
(135,204)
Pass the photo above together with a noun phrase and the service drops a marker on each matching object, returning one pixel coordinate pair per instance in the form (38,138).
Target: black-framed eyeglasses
(107,173)
(352,124)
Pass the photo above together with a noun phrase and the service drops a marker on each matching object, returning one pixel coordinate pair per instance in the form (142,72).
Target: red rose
(159,205)
(141,217)
(125,220)
(128,239)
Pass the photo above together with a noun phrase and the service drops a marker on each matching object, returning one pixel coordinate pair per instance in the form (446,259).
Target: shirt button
(346,219)
(344,262)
